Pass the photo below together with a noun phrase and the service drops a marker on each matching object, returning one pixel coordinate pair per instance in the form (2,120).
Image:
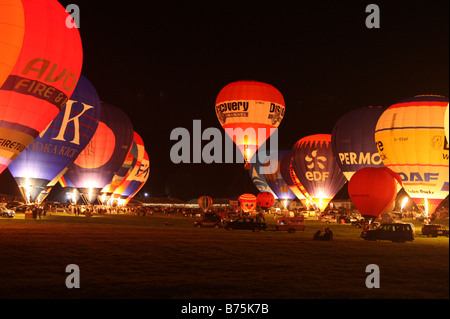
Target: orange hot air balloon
(247,202)
(12,29)
(42,80)
(205,202)
(249,112)
(373,190)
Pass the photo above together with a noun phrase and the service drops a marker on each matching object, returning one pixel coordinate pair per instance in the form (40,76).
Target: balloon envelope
(46,158)
(373,190)
(276,181)
(294,184)
(265,199)
(43,78)
(12,29)
(247,202)
(353,140)
(205,202)
(94,168)
(316,167)
(137,179)
(258,179)
(411,141)
(249,112)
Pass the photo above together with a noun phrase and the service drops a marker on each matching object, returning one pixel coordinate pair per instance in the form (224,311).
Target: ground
(166,257)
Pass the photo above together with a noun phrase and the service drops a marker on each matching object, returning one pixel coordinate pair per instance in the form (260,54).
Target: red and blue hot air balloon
(38,168)
(138,179)
(44,75)
(96,165)
(353,140)
(134,157)
(294,184)
(276,181)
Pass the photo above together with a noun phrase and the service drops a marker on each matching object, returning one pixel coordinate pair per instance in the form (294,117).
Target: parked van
(291,224)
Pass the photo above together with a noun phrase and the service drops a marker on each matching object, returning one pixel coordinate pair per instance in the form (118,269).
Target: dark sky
(164,63)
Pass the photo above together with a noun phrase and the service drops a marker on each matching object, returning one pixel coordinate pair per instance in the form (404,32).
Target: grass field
(160,257)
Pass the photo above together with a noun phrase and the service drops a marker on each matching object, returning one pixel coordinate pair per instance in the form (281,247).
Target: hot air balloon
(410,137)
(353,140)
(287,172)
(135,181)
(94,168)
(373,190)
(265,200)
(258,179)
(12,29)
(316,167)
(205,202)
(134,157)
(247,202)
(42,80)
(276,181)
(249,112)
(39,167)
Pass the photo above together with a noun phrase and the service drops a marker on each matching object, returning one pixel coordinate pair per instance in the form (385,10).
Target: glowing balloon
(139,178)
(265,199)
(258,179)
(247,202)
(249,112)
(410,137)
(276,181)
(373,190)
(94,168)
(12,29)
(134,157)
(288,174)
(205,202)
(42,80)
(39,167)
(316,167)
(353,140)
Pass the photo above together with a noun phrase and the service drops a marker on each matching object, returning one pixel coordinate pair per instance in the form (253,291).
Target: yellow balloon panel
(411,141)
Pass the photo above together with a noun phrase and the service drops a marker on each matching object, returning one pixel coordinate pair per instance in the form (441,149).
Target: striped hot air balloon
(247,202)
(205,202)
(133,158)
(138,179)
(410,137)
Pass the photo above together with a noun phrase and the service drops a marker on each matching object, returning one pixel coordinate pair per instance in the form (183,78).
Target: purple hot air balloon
(40,165)
(96,165)
(315,166)
(353,140)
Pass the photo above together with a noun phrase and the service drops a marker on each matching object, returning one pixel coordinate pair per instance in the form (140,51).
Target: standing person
(34,210)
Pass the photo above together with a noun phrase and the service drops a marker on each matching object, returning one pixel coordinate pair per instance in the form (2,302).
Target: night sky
(164,63)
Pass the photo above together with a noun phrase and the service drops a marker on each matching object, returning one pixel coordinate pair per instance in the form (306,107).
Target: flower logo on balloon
(318,161)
